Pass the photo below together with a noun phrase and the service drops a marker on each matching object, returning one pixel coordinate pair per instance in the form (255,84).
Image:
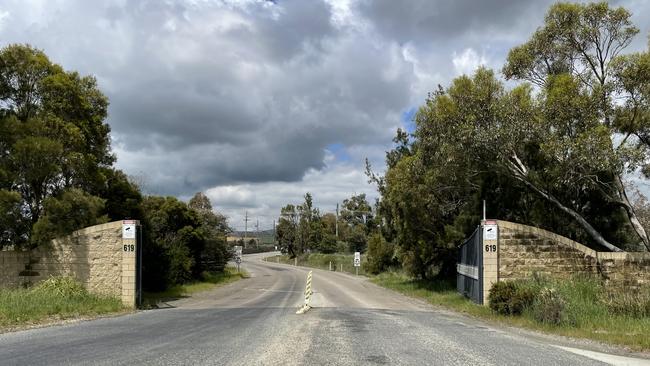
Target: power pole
(257,233)
(274,231)
(337,221)
(245,227)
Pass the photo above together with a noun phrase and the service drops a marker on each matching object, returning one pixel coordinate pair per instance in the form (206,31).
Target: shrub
(511,298)
(381,255)
(180,261)
(550,307)
(328,245)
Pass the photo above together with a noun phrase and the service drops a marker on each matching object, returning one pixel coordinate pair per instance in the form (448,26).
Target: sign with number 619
(491,248)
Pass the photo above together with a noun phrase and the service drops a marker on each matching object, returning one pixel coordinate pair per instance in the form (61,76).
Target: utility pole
(337,221)
(274,231)
(245,227)
(257,232)
(484,211)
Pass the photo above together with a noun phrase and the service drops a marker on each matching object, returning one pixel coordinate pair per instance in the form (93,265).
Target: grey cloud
(211,93)
(425,21)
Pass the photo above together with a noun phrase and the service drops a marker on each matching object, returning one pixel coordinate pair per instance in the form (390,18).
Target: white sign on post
(357,259)
(238,251)
(490,232)
(128,229)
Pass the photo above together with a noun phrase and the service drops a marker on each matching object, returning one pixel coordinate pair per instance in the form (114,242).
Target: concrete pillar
(490,247)
(129,247)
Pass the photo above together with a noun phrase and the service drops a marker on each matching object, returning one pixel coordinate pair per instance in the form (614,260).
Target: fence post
(330,265)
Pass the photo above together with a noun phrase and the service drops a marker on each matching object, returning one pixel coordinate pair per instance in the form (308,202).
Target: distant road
(253,322)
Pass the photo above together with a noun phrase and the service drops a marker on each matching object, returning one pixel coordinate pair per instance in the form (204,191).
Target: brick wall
(94,256)
(524,250)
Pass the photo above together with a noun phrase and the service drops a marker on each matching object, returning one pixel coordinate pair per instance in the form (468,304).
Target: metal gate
(138,266)
(469,278)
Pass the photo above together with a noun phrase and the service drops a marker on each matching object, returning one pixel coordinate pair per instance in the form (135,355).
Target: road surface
(253,322)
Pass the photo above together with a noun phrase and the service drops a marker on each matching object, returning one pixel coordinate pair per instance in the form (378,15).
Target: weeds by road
(591,319)
(55,299)
(209,281)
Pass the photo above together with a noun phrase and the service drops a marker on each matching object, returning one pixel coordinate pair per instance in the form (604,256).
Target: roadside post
(357,261)
(308,293)
(238,254)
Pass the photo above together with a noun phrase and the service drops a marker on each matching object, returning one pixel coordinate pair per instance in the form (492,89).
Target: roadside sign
(238,253)
(357,259)
(490,232)
(128,229)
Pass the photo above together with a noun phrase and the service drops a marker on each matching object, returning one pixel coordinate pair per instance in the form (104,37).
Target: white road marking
(610,359)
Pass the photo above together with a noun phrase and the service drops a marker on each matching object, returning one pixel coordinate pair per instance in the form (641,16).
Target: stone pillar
(129,248)
(490,250)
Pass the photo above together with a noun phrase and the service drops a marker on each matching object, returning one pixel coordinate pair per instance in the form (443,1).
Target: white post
(341,267)
(295,261)
(330,265)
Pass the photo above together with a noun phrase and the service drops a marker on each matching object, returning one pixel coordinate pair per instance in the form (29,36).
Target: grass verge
(591,320)
(210,280)
(53,300)
(340,262)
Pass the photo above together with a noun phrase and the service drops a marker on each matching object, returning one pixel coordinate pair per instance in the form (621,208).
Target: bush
(328,245)
(381,255)
(215,256)
(551,308)
(511,298)
(180,261)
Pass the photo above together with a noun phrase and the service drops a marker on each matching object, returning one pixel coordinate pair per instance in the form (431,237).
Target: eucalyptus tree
(53,139)
(578,53)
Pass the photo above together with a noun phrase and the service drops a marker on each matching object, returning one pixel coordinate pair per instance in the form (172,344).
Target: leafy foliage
(70,210)
(511,298)
(380,255)
(544,155)
(181,241)
(54,146)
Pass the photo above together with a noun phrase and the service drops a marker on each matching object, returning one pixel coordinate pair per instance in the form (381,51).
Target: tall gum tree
(585,41)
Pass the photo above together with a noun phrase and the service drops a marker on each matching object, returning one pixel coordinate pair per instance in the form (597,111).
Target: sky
(257,102)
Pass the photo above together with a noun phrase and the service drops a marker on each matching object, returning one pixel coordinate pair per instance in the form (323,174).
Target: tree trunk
(629,209)
(519,171)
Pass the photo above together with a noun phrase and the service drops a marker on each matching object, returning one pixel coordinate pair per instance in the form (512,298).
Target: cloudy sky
(257,102)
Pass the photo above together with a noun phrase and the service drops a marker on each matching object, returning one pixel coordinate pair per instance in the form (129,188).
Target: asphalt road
(253,322)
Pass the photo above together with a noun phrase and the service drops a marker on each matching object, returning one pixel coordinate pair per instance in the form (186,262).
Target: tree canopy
(551,151)
(54,145)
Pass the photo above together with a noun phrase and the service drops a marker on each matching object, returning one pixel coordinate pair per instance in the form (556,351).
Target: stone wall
(95,256)
(524,250)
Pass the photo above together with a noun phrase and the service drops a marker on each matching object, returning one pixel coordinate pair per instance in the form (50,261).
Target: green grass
(592,318)
(210,280)
(50,302)
(340,261)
